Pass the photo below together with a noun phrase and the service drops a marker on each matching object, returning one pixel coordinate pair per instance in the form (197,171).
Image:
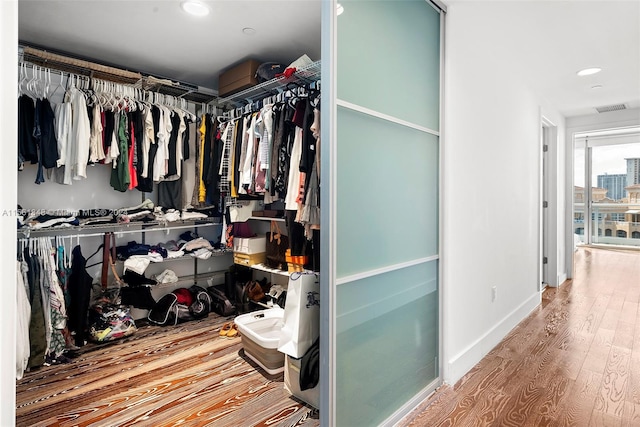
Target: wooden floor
(575,361)
(183,375)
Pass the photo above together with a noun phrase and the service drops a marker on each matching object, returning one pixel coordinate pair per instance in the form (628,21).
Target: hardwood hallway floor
(575,361)
(183,375)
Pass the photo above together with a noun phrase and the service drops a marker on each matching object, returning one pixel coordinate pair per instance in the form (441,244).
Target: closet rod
(78,66)
(176,88)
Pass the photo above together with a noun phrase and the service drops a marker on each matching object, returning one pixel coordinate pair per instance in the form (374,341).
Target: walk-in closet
(227,212)
(146,192)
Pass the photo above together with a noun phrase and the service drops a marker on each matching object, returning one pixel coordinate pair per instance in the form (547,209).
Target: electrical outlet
(494,293)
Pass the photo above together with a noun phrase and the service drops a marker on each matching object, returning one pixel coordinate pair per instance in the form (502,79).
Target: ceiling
(546,42)
(157,37)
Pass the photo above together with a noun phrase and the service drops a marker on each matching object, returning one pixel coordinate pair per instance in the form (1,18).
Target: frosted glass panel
(387,348)
(387,193)
(389,58)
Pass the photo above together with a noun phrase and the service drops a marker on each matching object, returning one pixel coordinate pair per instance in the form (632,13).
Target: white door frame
(548,243)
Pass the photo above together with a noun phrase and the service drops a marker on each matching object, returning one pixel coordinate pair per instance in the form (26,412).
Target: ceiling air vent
(614,107)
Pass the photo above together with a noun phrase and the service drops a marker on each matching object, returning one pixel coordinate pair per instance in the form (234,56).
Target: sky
(606,159)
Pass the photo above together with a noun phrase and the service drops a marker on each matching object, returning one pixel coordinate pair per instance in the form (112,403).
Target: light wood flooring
(183,375)
(575,361)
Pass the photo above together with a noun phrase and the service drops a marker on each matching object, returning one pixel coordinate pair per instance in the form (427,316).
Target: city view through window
(615,194)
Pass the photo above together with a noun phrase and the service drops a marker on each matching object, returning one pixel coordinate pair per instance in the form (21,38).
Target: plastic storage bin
(260,333)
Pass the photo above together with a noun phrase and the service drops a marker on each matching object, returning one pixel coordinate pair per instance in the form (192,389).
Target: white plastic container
(260,334)
(249,245)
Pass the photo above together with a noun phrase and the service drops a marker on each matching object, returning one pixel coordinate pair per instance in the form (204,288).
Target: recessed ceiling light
(339,9)
(249,31)
(195,8)
(589,71)
(596,87)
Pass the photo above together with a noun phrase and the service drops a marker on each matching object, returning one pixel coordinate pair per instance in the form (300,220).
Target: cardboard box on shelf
(238,77)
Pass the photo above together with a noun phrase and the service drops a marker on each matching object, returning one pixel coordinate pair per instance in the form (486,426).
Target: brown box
(237,78)
(249,259)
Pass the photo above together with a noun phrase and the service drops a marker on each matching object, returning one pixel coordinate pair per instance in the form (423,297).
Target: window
(621,233)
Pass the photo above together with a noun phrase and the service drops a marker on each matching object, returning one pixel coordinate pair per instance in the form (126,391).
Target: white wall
(8,164)
(491,186)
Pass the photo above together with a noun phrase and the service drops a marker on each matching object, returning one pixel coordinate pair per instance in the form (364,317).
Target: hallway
(575,361)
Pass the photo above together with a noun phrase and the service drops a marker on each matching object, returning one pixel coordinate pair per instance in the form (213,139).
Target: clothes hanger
(21,74)
(58,85)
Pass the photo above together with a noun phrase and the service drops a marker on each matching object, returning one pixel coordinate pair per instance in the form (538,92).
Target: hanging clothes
(202,190)
(27,149)
(96,148)
(23,315)
(132,157)
(37,327)
(62,114)
(79,293)
(189,167)
(120,177)
(80,136)
(150,147)
(46,134)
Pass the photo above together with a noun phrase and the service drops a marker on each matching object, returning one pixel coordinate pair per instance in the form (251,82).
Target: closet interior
(149,206)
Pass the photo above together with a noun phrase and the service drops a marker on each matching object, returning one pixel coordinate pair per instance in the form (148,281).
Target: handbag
(276,247)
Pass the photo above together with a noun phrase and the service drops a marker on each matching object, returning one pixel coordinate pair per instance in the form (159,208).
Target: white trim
(387,269)
(328,217)
(462,362)
(369,112)
(438,5)
(443,291)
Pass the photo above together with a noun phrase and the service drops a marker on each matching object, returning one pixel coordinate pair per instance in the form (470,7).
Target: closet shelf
(262,267)
(122,228)
(304,75)
(267,218)
(186,279)
(214,253)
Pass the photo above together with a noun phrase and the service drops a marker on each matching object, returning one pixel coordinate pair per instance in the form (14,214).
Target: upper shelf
(307,74)
(123,228)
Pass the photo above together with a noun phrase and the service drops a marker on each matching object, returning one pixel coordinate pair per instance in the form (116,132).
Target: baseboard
(462,362)
(562,278)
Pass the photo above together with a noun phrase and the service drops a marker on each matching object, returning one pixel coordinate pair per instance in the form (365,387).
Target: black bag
(202,303)
(171,308)
(219,302)
(310,367)
(276,248)
(242,297)
(164,312)
(267,71)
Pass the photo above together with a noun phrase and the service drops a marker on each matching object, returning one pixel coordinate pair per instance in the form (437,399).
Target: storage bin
(249,245)
(260,334)
(249,259)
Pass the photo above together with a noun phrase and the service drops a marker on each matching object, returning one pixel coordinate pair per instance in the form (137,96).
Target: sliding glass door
(383,187)
(609,213)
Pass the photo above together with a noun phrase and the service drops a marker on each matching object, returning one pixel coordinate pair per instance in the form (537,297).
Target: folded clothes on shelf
(137,263)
